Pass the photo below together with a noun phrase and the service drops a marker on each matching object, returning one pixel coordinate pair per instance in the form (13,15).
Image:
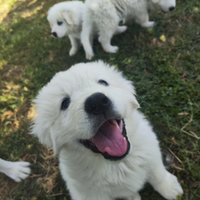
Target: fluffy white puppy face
(86,108)
(166,5)
(58,27)
(63,17)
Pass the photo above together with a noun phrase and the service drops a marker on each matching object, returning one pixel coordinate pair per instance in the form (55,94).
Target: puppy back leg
(107,27)
(164,182)
(105,39)
(120,29)
(75,45)
(87,39)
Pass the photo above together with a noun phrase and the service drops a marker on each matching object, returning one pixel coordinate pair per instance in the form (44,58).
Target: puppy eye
(102,82)
(65,103)
(59,23)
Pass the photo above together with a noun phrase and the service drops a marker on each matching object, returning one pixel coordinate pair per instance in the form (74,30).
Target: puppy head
(86,107)
(166,5)
(63,17)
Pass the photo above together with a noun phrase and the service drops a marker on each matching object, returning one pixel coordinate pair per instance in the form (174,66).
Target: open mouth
(110,140)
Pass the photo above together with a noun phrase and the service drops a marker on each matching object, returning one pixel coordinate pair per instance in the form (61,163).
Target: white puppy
(15,170)
(65,18)
(106,147)
(105,15)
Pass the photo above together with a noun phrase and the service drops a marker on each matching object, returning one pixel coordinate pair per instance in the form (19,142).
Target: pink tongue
(109,139)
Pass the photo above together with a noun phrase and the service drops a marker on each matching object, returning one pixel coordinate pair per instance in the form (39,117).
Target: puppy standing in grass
(105,15)
(65,18)
(107,149)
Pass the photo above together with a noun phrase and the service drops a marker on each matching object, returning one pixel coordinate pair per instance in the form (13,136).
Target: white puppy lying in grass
(106,147)
(105,15)
(65,18)
(15,170)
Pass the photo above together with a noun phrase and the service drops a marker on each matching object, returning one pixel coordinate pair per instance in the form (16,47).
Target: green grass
(166,76)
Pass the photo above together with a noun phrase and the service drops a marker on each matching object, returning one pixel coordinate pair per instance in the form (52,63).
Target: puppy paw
(18,170)
(72,51)
(120,29)
(112,49)
(148,24)
(89,56)
(170,188)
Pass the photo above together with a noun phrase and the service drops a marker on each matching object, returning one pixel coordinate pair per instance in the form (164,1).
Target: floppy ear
(69,16)
(56,148)
(43,129)
(44,132)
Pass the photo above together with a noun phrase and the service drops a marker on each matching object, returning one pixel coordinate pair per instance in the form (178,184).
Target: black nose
(171,8)
(54,34)
(97,104)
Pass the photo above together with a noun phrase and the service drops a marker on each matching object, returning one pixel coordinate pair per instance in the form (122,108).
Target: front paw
(72,51)
(111,49)
(148,24)
(89,56)
(170,188)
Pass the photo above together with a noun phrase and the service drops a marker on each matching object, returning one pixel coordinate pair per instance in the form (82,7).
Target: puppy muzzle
(109,138)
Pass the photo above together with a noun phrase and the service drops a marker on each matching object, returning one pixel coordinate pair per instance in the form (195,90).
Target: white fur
(105,15)
(88,175)
(70,14)
(16,170)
